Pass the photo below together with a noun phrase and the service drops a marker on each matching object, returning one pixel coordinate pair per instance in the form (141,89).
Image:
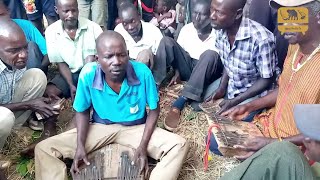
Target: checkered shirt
(252,56)
(8,80)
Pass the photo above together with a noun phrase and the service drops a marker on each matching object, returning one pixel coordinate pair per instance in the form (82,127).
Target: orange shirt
(303,89)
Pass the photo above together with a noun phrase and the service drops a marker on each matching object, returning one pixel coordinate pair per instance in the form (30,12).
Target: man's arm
(45,62)
(258,87)
(82,123)
(221,91)
(39,105)
(149,127)
(242,111)
(66,73)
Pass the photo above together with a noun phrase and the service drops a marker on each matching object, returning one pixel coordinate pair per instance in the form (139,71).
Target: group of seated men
(112,77)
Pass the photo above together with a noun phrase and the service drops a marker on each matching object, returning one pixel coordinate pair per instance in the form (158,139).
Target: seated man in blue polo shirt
(118,91)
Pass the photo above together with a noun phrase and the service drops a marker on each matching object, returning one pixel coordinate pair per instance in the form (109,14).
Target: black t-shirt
(147,9)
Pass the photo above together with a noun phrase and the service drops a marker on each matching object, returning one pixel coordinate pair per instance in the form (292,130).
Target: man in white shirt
(142,38)
(71,43)
(193,56)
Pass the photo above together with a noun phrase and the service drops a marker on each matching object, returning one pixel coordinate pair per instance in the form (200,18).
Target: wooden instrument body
(114,162)
(228,132)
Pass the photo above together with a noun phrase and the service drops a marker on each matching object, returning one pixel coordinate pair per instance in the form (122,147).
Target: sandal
(172,120)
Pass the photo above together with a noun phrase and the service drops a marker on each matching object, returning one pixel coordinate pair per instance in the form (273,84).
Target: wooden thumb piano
(113,162)
(227,132)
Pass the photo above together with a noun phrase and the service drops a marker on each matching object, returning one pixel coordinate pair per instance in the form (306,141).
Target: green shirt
(276,161)
(61,48)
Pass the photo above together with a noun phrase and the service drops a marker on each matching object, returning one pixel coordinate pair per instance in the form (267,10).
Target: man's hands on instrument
(252,145)
(227,104)
(140,158)
(41,105)
(238,112)
(79,158)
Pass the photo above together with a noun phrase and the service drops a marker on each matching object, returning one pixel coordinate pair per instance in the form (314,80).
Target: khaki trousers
(170,149)
(31,86)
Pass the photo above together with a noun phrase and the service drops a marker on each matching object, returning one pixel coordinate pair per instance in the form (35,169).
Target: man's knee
(6,120)
(167,41)
(38,76)
(209,55)
(146,57)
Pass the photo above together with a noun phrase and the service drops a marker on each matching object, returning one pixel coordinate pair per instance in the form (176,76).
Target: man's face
(313,149)
(113,57)
(4,11)
(68,12)
(14,51)
(221,16)
(131,22)
(200,16)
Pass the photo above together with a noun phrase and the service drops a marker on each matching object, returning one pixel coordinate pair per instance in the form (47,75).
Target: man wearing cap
(284,160)
(298,84)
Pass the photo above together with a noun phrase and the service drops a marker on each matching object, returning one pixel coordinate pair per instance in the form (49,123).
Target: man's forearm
(22,106)
(149,127)
(45,61)
(256,89)
(264,102)
(66,73)
(297,139)
(224,80)
(82,123)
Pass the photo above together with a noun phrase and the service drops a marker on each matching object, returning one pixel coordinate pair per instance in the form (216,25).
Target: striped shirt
(8,80)
(304,89)
(251,57)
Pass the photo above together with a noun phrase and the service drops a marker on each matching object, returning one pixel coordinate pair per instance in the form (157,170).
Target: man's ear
(239,14)
(56,9)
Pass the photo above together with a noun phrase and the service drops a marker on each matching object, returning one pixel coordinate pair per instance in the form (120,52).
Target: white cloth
(151,38)
(188,39)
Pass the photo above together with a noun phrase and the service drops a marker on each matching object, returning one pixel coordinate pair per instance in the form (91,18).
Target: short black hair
(127,6)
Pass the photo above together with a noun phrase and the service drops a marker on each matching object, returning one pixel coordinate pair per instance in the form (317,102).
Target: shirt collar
(81,23)
(2,66)
(98,82)
(243,32)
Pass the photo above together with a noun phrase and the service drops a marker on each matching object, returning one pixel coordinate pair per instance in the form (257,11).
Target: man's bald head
(234,5)
(13,44)
(109,38)
(112,55)
(9,29)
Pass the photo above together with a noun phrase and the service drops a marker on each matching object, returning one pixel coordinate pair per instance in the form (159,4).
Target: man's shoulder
(140,69)
(53,28)
(88,70)
(88,23)
(259,32)
(146,26)
(24,23)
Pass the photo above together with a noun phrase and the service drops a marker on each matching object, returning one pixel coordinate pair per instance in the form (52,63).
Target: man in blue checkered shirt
(247,51)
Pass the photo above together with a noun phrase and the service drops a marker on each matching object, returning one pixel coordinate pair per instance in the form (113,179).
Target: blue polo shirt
(128,107)
(32,34)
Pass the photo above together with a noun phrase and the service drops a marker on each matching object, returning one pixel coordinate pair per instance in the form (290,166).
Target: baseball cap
(288,3)
(307,118)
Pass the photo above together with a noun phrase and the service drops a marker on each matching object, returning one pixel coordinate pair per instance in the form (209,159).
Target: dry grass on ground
(193,127)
